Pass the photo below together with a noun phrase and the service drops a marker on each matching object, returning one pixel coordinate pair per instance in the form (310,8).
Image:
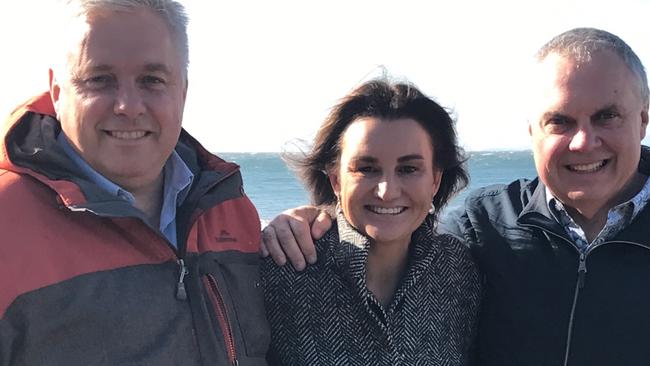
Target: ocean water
(274,188)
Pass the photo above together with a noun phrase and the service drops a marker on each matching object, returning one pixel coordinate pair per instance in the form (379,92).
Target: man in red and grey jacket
(123,240)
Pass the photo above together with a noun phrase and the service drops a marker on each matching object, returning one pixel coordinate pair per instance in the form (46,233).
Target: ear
(530,129)
(335,182)
(55,91)
(187,83)
(644,122)
(437,177)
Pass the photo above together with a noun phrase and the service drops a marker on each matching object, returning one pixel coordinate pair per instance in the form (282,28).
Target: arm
(289,235)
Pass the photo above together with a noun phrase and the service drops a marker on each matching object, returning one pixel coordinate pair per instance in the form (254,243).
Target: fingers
(271,245)
(304,242)
(288,236)
(320,226)
(263,251)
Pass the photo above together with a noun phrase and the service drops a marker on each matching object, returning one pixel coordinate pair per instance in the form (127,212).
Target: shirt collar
(90,173)
(177,175)
(618,217)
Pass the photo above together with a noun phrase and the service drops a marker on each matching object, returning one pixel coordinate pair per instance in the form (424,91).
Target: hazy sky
(263,73)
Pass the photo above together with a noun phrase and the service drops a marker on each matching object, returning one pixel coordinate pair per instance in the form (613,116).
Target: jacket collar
(350,256)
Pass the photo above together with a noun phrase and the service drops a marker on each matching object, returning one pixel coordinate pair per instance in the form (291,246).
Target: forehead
(375,136)
(117,38)
(563,82)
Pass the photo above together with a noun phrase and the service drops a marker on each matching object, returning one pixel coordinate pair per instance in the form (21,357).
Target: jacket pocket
(243,284)
(216,299)
(235,279)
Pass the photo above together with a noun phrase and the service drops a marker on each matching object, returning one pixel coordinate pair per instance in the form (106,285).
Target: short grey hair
(580,43)
(171,11)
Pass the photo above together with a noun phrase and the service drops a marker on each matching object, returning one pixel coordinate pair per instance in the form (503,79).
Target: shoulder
(495,203)
(453,248)
(456,261)
(276,277)
(493,195)
(23,194)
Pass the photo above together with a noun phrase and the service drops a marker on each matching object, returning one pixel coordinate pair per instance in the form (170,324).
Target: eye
(407,169)
(99,81)
(556,123)
(364,169)
(153,82)
(605,115)
(557,120)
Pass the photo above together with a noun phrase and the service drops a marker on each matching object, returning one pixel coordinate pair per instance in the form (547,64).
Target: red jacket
(85,281)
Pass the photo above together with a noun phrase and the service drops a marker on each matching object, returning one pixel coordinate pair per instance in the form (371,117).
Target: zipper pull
(582,270)
(181,293)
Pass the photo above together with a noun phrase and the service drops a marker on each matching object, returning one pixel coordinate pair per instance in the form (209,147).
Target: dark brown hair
(388,101)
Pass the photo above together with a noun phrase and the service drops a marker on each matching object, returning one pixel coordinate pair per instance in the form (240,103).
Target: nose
(585,138)
(129,102)
(388,188)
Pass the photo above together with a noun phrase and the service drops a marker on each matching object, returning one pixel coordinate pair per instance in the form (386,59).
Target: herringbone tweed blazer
(325,315)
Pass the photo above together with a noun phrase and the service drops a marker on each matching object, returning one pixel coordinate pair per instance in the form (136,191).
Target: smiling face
(120,99)
(587,130)
(385,179)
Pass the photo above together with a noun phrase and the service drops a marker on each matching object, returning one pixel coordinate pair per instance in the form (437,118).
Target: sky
(264,74)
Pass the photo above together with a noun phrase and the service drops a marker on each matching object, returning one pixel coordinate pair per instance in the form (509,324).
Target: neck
(593,219)
(385,269)
(148,199)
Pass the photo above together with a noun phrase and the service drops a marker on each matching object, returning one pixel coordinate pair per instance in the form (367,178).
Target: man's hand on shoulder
(289,235)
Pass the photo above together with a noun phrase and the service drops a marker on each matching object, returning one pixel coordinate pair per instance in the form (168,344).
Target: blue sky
(263,73)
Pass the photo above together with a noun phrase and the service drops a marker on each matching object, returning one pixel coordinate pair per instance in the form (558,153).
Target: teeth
(587,168)
(386,211)
(127,135)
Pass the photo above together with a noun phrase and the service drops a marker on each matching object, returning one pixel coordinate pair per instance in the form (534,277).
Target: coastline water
(274,188)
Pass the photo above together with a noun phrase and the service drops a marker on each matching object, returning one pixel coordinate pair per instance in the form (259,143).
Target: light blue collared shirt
(618,217)
(177,180)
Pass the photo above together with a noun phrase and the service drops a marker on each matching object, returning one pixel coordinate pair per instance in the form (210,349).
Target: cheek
(89,111)
(351,193)
(422,192)
(548,150)
(76,123)
(169,118)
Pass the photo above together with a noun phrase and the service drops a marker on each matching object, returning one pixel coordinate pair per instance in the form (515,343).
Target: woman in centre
(386,290)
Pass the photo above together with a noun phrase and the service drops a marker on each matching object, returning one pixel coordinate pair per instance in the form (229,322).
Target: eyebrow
(548,115)
(365,159)
(150,67)
(608,108)
(102,67)
(404,158)
(401,159)
(157,67)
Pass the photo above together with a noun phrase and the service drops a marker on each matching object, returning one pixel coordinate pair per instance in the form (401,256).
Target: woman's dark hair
(388,101)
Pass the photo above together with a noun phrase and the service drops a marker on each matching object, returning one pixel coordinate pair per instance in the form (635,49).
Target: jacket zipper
(580,283)
(222,317)
(582,273)
(181,291)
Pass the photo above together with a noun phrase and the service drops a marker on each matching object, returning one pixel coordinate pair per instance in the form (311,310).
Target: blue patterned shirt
(618,217)
(177,180)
